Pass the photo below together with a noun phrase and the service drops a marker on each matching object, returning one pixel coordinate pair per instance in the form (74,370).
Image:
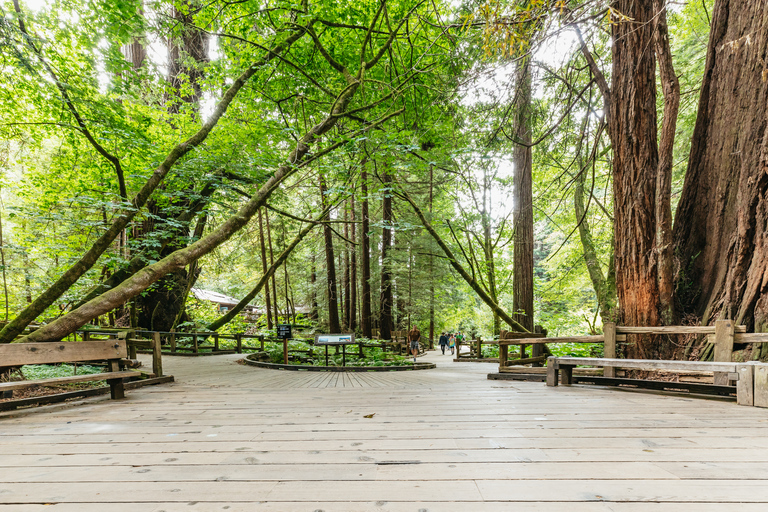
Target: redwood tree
(722,218)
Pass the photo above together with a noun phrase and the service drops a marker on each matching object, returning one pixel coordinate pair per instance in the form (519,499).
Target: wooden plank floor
(230,437)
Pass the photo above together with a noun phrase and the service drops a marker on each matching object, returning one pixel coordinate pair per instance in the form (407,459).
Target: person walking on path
(443,342)
(414,336)
(452,342)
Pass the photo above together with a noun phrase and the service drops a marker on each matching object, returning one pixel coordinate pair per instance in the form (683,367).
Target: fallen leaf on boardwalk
(369,415)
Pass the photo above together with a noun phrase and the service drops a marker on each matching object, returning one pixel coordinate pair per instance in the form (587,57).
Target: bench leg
(552,372)
(116,388)
(567,378)
(745,386)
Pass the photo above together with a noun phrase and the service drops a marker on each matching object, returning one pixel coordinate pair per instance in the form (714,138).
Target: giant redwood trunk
(522,207)
(632,126)
(721,228)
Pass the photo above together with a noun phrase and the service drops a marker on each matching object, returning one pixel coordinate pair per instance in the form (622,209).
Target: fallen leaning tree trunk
(71,276)
(178,259)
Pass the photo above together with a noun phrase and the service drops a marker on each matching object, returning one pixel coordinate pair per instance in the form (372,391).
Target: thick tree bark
(722,218)
(334,325)
(68,278)
(365,259)
(671,90)
(385,308)
(633,132)
(187,55)
(522,202)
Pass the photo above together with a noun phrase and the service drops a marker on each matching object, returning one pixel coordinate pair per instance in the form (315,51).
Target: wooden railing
(475,351)
(722,335)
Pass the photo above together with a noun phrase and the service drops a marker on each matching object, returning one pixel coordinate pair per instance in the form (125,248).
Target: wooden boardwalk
(237,438)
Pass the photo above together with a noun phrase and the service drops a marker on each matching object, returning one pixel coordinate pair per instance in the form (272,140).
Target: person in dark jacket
(443,342)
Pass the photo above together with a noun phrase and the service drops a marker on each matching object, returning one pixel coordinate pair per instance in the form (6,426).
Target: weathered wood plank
(17,354)
(724,330)
(674,329)
(647,364)
(25,384)
(761,385)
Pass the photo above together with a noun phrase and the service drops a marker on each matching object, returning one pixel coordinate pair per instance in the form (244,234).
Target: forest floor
(226,436)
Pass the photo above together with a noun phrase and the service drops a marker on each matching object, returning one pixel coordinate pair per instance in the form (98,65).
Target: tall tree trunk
(722,218)
(275,306)
(431,267)
(162,305)
(346,278)
(2,262)
(365,259)
(313,312)
(488,245)
(385,309)
(523,202)
(664,241)
(262,243)
(334,325)
(353,268)
(633,131)
(187,55)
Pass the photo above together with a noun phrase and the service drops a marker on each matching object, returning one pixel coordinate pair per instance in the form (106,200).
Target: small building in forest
(224,302)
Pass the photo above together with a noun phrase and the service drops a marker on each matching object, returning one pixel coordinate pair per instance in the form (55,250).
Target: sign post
(284,333)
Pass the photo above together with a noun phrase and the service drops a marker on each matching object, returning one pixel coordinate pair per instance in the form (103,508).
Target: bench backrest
(17,354)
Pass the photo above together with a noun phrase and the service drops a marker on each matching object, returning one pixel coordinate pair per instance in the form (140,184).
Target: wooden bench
(742,373)
(112,351)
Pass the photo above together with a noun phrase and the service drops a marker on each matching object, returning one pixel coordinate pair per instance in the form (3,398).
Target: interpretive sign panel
(284,331)
(334,339)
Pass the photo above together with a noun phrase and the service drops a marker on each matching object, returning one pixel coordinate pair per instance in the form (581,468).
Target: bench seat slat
(18,354)
(6,386)
(643,364)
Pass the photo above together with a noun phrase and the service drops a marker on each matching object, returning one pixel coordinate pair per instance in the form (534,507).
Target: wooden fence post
(215,342)
(157,357)
(538,349)
(239,343)
(609,348)
(131,347)
(285,350)
(194,344)
(173,342)
(723,348)
(503,354)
